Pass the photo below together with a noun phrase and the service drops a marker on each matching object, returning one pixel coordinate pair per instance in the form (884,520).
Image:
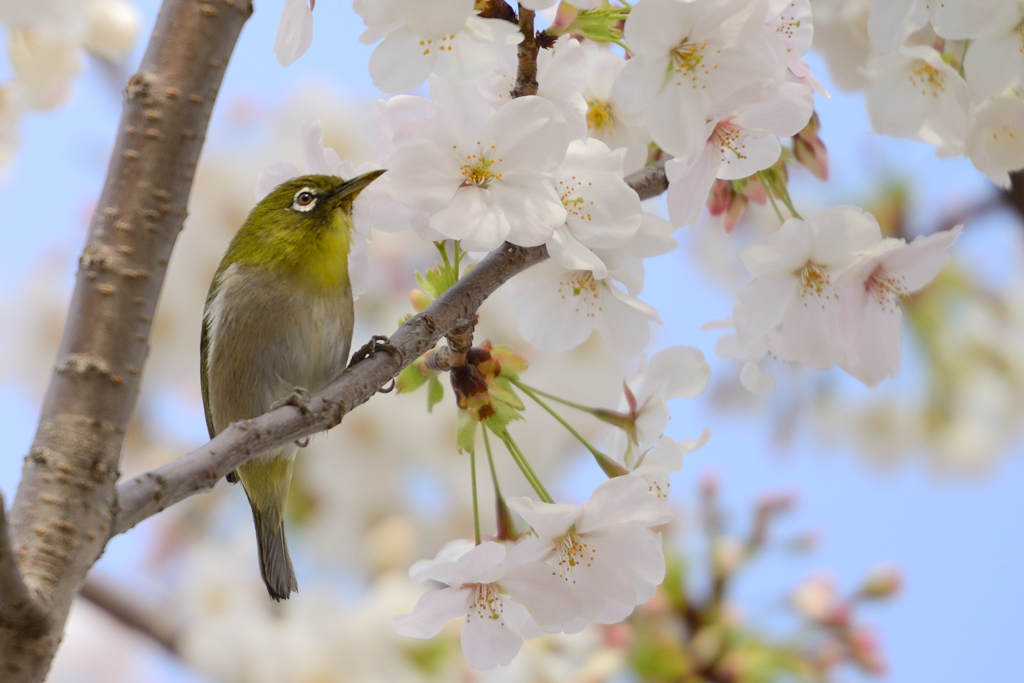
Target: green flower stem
(771,196)
(506,526)
(476,507)
(524,467)
(490,462)
(607,465)
(788,201)
(443,248)
(565,402)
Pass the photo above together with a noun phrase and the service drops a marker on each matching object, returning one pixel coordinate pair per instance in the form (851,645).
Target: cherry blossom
(914,93)
(793,23)
(994,61)
(446,37)
(560,308)
(869,301)
(796,272)
(505,595)
(401,120)
(737,146)
(482,175)
(716,54)
(603,548)
(996,141)
(601,210)
(561,73)
(607,120)
(657,463)
(673,372)
(294,31)
(45,66)
(751,353)
(891,21)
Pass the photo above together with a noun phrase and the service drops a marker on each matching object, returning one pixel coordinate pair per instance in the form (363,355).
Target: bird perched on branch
(278,325)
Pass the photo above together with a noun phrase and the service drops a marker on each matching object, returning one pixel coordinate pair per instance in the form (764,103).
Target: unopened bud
(720,197)
(709,485)
(728,555)
(601,25)
(113,29)
(882,582)
(510,363)
(815,599)
(564,17)
(419,300)
(810,151)
(864,648)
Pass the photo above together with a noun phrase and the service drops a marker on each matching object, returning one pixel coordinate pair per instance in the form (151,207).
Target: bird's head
(303,224)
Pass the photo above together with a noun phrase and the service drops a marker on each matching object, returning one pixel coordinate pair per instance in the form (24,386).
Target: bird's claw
(377,343)
(299,398)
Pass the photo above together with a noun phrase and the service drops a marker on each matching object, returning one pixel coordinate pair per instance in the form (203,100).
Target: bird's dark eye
(305,200)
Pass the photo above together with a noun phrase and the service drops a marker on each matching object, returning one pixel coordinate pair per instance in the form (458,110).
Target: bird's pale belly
(269,340)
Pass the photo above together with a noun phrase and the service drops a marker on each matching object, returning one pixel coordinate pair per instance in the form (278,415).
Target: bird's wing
(204,352)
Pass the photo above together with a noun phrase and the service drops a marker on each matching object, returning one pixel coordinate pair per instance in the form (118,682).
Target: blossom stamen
(487,603)
(599,116)
(929,79)
(477,171)
(571,552)
(687,60)
(814,280)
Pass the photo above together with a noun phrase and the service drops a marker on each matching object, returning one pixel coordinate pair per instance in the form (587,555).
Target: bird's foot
(299,398)
(377,343)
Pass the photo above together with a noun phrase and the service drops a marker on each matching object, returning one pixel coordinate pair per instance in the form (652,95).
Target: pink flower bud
(864,648)
(810,151)
(725,201)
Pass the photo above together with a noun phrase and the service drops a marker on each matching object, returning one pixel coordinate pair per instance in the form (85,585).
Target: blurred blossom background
(805,510)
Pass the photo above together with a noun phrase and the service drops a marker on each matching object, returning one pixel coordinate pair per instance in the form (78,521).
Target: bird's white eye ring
(305,200)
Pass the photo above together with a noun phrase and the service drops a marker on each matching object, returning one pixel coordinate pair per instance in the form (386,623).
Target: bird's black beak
(350,188)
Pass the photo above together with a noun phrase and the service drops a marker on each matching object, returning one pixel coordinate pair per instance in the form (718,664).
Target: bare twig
(526,77)
(133,611)
(148,494)
(17,608)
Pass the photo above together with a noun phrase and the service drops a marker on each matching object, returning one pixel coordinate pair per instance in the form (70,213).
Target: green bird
(277,325)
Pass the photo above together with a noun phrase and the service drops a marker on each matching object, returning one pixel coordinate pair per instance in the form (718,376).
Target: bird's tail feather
(265,481)
(275,563)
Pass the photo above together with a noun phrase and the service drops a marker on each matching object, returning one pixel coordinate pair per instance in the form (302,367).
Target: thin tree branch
(62,513)
(149,493)
(132,611)
(17,608)
(526,75)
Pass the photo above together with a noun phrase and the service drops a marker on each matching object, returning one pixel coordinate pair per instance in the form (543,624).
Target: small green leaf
(410,379)
(465,432)
(501,390)
(435,393)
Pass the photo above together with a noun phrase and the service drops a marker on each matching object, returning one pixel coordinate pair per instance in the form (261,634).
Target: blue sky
(957,540)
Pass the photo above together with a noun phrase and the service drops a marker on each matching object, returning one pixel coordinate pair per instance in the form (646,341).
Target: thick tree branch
(62,513)
(16,605)
(148,494)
